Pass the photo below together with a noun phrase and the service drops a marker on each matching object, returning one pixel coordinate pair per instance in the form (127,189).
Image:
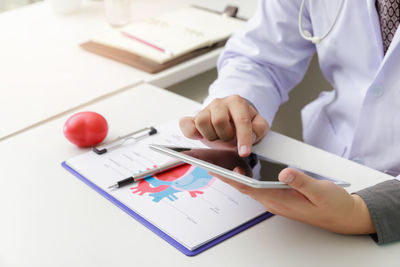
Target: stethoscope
(306,34)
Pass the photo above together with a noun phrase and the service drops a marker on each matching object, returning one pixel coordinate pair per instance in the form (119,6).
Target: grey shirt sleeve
(383,202)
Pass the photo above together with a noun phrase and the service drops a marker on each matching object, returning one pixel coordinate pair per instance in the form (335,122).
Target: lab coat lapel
(393,47)
(374,23)
(391,57)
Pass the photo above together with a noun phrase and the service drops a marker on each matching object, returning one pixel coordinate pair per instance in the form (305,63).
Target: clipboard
(159,232)
(154,228)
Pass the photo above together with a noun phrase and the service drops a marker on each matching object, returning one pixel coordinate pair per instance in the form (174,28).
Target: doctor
(359,54)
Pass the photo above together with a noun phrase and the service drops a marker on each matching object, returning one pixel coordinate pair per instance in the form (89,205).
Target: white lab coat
(360,119)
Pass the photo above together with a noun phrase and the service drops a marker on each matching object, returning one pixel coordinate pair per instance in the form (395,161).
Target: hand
(228,121)
(315,202)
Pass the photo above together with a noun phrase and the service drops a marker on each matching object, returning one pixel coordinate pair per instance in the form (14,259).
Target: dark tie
(389,18)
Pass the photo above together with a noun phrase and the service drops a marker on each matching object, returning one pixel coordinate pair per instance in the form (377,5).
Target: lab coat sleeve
(383,202)
(266,58)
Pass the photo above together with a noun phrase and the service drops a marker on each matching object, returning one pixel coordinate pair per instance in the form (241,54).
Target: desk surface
(45,73)
(50,218)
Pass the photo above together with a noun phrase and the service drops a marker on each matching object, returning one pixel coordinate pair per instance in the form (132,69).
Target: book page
(186,203)
(169,36)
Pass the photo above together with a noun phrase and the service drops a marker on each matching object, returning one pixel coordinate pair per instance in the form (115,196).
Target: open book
(186,206)
(167,37)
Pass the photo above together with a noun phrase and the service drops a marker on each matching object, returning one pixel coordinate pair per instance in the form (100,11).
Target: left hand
(315,202)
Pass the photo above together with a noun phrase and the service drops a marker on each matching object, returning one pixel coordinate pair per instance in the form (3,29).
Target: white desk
(44,72)
(50,218)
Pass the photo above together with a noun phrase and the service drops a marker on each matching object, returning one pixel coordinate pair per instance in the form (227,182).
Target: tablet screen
(254,166)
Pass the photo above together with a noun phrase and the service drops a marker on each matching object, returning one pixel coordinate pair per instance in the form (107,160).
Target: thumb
(306,185)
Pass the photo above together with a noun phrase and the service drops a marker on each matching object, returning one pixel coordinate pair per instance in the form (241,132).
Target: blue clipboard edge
(160,233)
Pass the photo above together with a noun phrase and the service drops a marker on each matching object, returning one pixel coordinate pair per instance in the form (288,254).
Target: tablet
(255,170)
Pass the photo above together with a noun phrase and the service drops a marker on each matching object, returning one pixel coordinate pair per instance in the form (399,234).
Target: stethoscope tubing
(306,34)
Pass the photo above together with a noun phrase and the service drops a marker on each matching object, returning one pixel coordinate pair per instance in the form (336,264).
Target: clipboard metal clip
(120,140)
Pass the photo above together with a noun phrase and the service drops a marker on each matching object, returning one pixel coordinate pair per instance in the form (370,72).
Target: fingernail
(288,178)
(243,150)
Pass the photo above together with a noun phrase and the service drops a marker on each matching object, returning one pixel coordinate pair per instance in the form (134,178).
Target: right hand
(228,120)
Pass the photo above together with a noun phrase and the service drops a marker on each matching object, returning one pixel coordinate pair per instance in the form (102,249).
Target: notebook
(186,206)
(167,37)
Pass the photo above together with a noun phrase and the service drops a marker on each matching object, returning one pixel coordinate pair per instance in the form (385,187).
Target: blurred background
(11,4)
